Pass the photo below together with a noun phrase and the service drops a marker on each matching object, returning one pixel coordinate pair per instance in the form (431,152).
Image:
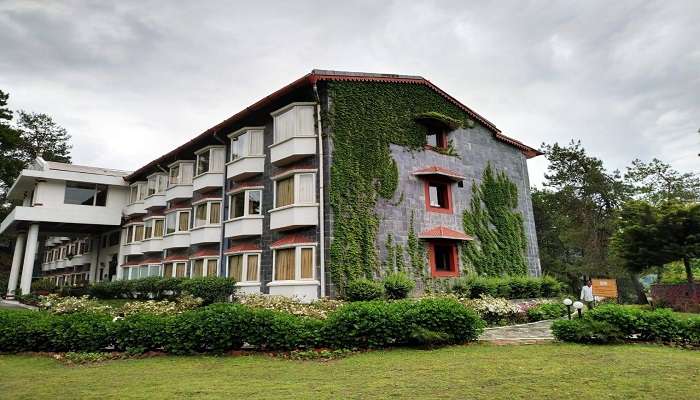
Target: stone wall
(475,147)
(677,296)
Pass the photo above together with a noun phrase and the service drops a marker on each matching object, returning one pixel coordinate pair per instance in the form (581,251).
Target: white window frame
(294,109)
(208,216)
(159,183)
(181,178)
(297,262)
(246,203)
(296,174)
(141,191)
(210,150)
(177,213)
(130,238)
(204,268)
(244,270)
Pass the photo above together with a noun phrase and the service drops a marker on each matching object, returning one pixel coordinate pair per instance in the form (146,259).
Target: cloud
(131,80)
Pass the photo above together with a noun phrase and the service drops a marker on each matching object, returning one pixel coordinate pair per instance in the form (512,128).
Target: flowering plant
(317,309)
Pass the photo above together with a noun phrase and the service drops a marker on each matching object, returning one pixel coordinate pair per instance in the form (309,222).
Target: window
(247,144)
(168,270)
(156,184)
(177,221)
(305,193)
(245,203)
(244,267)
(158,228)
(443,259)
(207,213)
(437,137)
(295,263)
(438,196)
(153,228)
(148,229)
(137,192)
(133,233)
(180,269)
(85,194)
(203,163)
(138,233)
(204,267)
(173,178)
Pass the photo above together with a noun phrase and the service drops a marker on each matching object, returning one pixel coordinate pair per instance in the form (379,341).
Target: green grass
(551,371)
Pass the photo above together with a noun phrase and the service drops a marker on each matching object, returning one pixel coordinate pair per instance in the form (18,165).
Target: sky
(131,80)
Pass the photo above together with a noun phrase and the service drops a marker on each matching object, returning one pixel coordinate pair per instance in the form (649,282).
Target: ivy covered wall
(373,127)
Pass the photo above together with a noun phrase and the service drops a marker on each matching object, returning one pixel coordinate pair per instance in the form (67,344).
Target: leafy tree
(679,230)
(575,213)
(637,241)
(10,147)
(42,136)
(657,182)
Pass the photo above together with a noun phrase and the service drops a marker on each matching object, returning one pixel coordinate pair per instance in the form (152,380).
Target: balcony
(154,201)
(243,227)
(152,245)
(207,180)
(175,240)
(292,149)
(205,234)
(293,216)
(60,264)
(132,249)
(245,167)
(177,192)
(78,260)
(134,208)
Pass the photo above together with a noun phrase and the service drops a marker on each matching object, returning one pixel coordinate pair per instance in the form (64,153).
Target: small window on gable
(437,138)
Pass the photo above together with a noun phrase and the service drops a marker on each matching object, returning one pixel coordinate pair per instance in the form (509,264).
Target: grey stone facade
(476,147)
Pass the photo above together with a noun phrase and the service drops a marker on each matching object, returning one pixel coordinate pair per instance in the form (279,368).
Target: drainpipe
(224,208)
(321,210)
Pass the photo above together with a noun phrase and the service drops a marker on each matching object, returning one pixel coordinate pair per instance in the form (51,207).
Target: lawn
(550,371)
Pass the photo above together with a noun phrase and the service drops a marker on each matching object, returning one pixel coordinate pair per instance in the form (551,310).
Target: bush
(43,285)
(139,333)
(451,321)
(273,330)
(398,285)
(550,287)
(217,328)
(364,290)
(546,311)
(508,287)
(461,288)
(210,289)
(660,325)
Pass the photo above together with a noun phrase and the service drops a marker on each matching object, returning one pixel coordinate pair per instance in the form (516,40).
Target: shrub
(398,285)
(447,320)
(364,290)
(546,311)
(43,285)
(495,311)
(24,330)
(624,318)
(550,287)
(111,290)
(67,305)
(210,289)
(83,331)
(273,330)
(461,288)
(139,333)
(659,325)
(586,331)
(364,324)
(317,309)
(690,330)
(216,328)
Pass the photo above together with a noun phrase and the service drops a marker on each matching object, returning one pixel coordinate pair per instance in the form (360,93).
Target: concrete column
(29,256)
(16,265)
(94,251)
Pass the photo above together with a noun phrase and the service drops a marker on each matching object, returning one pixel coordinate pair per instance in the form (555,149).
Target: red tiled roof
(151,260)
(322,75)
(292,239)
(244,185)
(176,257)
(241,247)
(435,170)
(205,253)
(441,232)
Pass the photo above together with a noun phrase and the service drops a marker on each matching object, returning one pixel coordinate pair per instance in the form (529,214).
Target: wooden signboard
(604,288)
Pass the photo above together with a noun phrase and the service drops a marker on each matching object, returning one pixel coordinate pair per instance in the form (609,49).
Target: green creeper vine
(498,227)
(416,252)
(364,119)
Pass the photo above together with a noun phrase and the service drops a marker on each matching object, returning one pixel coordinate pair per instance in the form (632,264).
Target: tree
(10,147)
(679,230)
(657,182)
(637,241)
(575,213)
(42,136)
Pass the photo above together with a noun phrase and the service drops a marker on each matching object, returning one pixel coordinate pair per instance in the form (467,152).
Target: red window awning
(441,232)
(434,170)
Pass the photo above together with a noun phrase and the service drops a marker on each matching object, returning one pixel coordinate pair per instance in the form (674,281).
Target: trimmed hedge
(509,287)
(364,290)
(398,285)
(224,327)
(611,323)
(210,289)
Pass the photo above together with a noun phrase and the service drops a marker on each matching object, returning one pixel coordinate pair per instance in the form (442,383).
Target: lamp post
(578,306)
(568,303)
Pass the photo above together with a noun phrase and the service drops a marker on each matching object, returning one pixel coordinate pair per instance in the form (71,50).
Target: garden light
(578,306)
(567,303)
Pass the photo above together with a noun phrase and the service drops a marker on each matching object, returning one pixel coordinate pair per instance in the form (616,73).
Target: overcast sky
(131,80)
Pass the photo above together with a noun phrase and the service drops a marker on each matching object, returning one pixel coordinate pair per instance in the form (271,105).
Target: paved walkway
(14,305)
(535,332)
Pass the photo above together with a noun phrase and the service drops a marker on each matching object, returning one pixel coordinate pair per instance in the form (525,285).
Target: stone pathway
(10,304)
(535,332)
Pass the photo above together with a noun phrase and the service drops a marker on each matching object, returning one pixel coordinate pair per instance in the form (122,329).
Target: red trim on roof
(241,247)
(289,240)
(436,170)
(320,75)
(441,232)
(176,257)
(205,253)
